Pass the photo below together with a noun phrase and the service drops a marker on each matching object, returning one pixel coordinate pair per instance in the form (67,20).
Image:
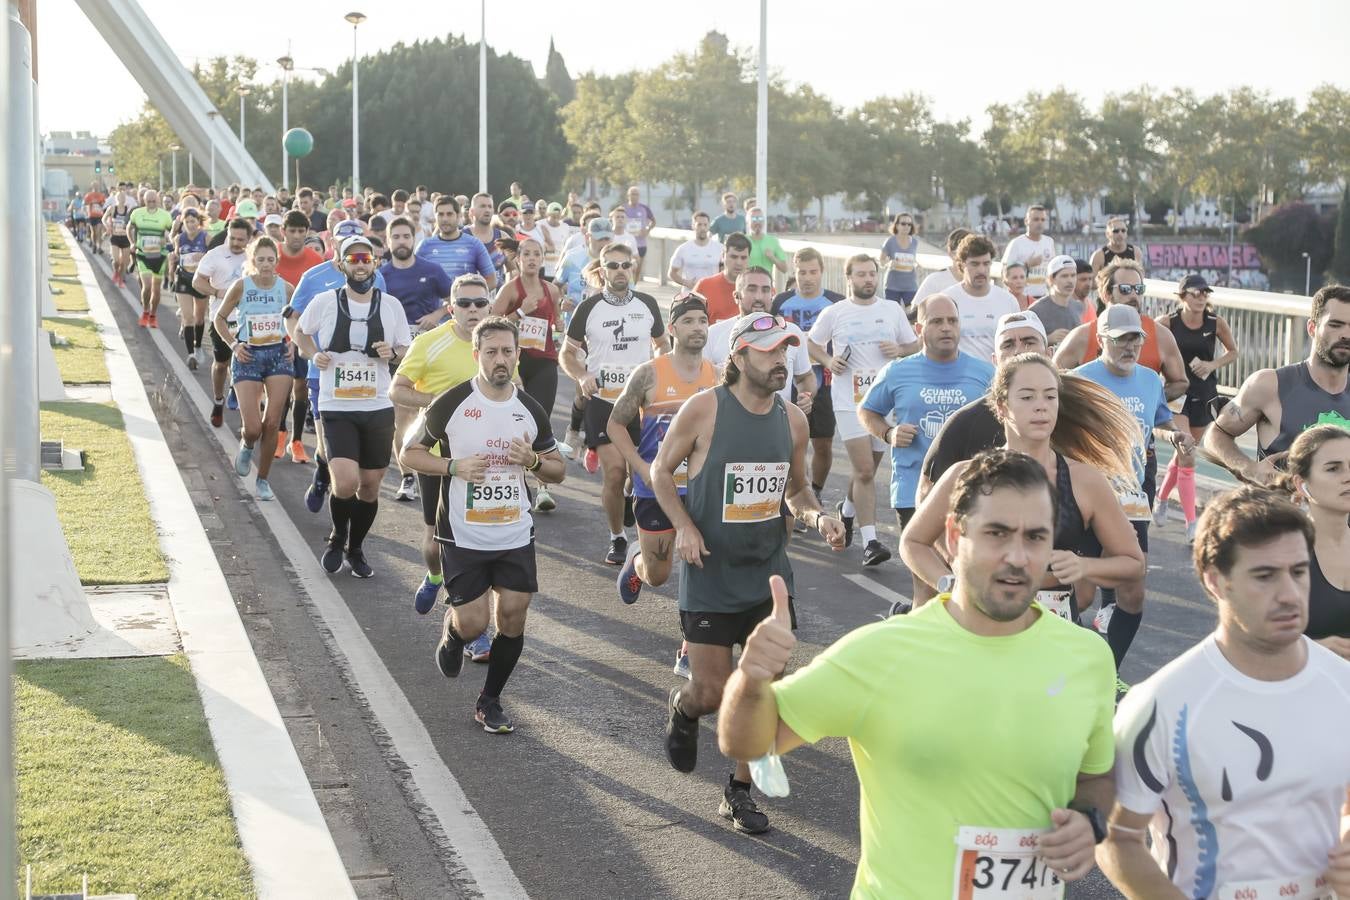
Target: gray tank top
(735,500)
(1302,405)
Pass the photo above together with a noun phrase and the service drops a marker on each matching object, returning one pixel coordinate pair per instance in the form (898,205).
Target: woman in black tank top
(1199,332)
(1318,474)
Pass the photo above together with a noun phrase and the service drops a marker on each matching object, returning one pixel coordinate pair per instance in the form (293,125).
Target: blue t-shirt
(569,273)
(461,256)
(803,312)
(1141,392)
(923,392)
(421,287)
(314,282)
(902,274)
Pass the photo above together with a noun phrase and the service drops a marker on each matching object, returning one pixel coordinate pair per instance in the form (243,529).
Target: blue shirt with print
(1142,393)
(461,256)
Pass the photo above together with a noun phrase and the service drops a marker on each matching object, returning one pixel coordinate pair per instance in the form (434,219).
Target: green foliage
(557,78)
(1284,236)
(1340,260)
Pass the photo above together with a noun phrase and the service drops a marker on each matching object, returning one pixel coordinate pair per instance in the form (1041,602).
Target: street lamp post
(356,19)
(243,91)
(212,115)
(287,64)
(482,97)
(762,113)
(1307,274)
(175,148)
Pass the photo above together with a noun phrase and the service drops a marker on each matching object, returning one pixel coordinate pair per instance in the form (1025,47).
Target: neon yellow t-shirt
(438,360)
(950,729)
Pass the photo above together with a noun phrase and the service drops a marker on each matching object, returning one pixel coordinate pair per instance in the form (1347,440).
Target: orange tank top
(668,395)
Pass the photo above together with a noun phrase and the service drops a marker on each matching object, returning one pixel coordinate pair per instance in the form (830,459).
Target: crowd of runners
(1020,398)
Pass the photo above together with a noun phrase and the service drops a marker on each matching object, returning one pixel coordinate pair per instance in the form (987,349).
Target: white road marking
(881,591)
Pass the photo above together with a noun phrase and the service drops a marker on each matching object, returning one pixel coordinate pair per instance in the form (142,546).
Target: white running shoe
(1190,532)
(1160,513)
(571,442)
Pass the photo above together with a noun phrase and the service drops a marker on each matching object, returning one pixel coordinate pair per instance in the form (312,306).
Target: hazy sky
(850,50)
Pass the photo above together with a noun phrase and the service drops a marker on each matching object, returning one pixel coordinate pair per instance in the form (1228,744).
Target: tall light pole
(762,113)
(356,19)
(482,97)
(1307,274)
(175,148)
(286,64)
(212,115)
(243,91)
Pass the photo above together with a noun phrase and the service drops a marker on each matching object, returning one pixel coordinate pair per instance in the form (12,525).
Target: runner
(351,335)
(938,282)
(79,217)
(453,249)
(482,228)
(720,287)
(149,227)
(746,455)
(854,339)
(188,250)
(1117,245)
(754,294)
(641,220)
(423,289)
(1059,311)
(221,267)
(263,363)
(118,219)
(1035,249)
(731,221)
(1198,331)
(618,220)
(979,300)
(294,260)
(698,258)
(484,528)
(765,250)
(920,392)
(900,259)
(1014,280)
(555,233)
(438,360)
(94,201)
(1214,756)
(935,785)
(611,334)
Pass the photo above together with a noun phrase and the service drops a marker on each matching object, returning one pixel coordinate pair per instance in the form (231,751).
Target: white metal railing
(1270,329)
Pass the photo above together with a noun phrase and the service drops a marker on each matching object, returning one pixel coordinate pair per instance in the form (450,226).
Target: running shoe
(298,454)
(738,806)
(408,489)
(479,649)
(1190,531)
(629,520)
(618,551)
(900,608)
(1160,513)
(242,459)
(153,321)
(281,445)
(875,553)
(682,664)
(630,585)
(145,319)
(681,735)
(1102,620)
(360,568)
(571,442)
(450,651)
(591,460)
(196,356)
(544,502)
(425,598)
(231,401)
(488,713)
(332,558)
(317,491)
(191,361)
(264,489)
(217,414)
(848,523)
(309,423)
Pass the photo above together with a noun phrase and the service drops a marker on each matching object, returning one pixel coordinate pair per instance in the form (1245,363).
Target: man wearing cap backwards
(1121,337)
(1059,311)
(350,335)
(746,454)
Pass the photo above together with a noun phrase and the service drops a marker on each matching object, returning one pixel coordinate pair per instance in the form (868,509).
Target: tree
(1285,235)
(1340,261)
(1054,129)
(557,78)
(886,154)
(1325,129)
(804,148)
(1186,127)
(1125,139)
(1006,171)
(597,125)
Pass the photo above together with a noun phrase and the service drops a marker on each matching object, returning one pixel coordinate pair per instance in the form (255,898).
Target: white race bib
(533,332)
(356,380)
(634,226)
(1303,887)
(151,244)
(681,475)
(494,502)
(902,262)
(189,261)
(753,492)
(265,329)
(613,379)
(1131,499)
(119,228)
(1002,863)
(862,381)
(1057,602)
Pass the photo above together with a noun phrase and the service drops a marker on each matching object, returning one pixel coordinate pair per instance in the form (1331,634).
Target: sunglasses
(476,303)
(1194,294)
(1128,289)
(1124,339)
(1117,230)
(765,322)
(358,259)
(612,266)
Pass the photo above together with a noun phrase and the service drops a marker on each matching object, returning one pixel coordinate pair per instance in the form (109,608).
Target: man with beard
(1283,402)
(294,259)
(480,226)
(455,250)
(746,454)
(979,301)
(424,290)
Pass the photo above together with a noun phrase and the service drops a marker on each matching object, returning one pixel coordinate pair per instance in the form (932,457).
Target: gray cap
(1120,319)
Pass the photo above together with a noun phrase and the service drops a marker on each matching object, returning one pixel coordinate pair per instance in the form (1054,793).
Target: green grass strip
(81,360)
(117,777)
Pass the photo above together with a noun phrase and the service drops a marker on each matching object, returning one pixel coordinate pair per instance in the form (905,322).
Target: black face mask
(362,286)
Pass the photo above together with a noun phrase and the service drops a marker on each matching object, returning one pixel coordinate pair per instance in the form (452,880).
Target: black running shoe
(848,523)
(332,558)
(488,713)
(450,651)
(618,551)
(629,520)
(360,568)
(681,736)
(739,807)
(875,553)
(900,608)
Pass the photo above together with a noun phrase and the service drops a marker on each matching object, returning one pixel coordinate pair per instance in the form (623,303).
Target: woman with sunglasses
(1198,331)
(899,257)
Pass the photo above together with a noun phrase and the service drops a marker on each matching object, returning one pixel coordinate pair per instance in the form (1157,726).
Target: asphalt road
(581,799)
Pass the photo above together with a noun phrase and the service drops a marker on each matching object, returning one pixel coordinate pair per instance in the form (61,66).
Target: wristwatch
(946,583)
(1095,819)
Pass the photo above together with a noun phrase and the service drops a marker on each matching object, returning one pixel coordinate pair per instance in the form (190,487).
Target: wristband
(450,467)
(889,432)
(538,462)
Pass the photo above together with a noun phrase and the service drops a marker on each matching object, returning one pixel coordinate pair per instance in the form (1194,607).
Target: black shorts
(727,629)
(429,493)
(154,264)
(182,284)
(821,418)
(469,574)
(650,516)
(597,423)
(220,350)
(120,241)
(367,437)
(1198,406)
(301,369)
(642,252)
(903,514)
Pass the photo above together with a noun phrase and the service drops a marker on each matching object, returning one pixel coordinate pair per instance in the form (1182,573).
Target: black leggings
(540,378)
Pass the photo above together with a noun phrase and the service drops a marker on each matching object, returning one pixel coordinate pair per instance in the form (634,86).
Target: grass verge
(71,297)
(103,509)
(81,361)
(117,777)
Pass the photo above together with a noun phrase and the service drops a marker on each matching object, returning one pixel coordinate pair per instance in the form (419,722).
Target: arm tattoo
(634,395)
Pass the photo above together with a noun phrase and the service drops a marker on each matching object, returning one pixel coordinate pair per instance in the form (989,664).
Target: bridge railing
(1270,329)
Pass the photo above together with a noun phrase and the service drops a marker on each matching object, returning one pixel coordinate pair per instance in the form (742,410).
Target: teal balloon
(298,142)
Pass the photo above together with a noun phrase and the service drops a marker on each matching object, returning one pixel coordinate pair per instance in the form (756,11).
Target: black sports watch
(1095,819)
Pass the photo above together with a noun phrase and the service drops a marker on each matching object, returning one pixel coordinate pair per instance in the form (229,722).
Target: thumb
(1060,817)
(781,613)
(1345,816)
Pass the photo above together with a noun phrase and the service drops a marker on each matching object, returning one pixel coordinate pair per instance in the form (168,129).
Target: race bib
(119,228)
(533,333)
(151,244)
(355,380)
(904,262)
(613,379)
(1304,887)
(753,491)
(1002,863)
(189,261)
(1132,499)
(95,209)
(634,226)
(681,475)
(862,381)
(265,329)
(494,502)
(1058,602)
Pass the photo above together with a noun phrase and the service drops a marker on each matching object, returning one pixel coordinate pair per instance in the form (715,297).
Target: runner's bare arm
(1229,343)
(626,409)
(573,362)
(1070,352)
(1175,379)
(688,436)
(819,354)
(1125,859)
(1098,260)
(202,285)
(403,392)
(1248,408)
(927,527)
(222,320)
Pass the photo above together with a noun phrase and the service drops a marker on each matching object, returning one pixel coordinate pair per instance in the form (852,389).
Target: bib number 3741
(1002,863)
(753,492)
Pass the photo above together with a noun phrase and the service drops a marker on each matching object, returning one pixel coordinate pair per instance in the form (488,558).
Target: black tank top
(342,329)
(1328,607)
(1196,343)
(1108,254)
(1071,532)
(1303,404)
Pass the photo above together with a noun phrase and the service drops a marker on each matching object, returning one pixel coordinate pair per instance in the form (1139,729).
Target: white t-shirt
(574,240)
(935,283)
(860,328)
(695,262)
(628,241)
(222,268)
(1244,778)
(1022,248)
(718,349)
(979,317)
(558,234)
(365,378)
(617,337)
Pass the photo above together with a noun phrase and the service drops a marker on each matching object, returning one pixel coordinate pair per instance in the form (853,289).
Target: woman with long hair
(899,259)
(1082,435)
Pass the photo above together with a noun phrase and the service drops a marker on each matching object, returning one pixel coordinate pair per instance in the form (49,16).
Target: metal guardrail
(1270,329)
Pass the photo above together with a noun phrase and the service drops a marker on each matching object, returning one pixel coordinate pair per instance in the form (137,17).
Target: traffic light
(111,168)
(98,167)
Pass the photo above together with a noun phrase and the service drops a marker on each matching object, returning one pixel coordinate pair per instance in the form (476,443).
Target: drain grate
(53,454)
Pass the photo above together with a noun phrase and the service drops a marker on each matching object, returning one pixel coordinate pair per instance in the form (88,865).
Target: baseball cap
(761,331)
(600,228)
(1024,319)
(273,219)
(555,207)
(246,209)
(1120,319)
(1194,283)
(1063,261)
(349,203)
(356,240)
(348,228)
